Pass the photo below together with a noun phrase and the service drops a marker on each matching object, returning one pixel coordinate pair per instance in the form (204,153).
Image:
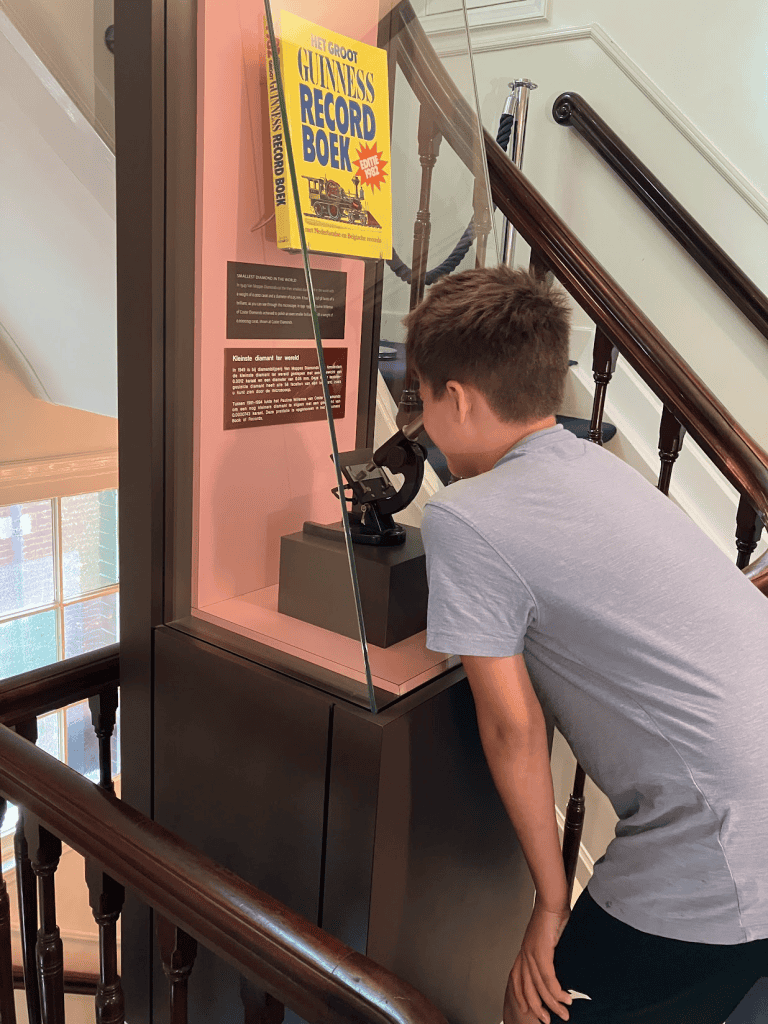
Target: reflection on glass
(49,734)
(26,556)
(89,625)
(89,542)
(115,747)
(27,643)
(82,744)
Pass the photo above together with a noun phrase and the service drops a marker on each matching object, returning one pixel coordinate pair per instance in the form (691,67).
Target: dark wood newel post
(177,952)
(7,1007)
(25,887)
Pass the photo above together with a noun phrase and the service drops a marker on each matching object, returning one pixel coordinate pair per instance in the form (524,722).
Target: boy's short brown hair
(503,331)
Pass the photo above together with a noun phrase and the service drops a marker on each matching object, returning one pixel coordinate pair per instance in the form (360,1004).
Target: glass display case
(273,375)
(320,176)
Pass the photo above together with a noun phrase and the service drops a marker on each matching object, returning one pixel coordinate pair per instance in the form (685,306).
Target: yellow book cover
(337,104)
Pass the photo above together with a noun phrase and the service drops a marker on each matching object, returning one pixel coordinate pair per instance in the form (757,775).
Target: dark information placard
(264,387)
(271,302)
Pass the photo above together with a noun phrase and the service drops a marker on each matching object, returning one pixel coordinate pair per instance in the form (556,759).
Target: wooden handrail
(737,455)
(46,689)
(572,110)
(303,967)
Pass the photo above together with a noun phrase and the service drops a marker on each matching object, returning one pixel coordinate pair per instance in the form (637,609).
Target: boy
(566,581)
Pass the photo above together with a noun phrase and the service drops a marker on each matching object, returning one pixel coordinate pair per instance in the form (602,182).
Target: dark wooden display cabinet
(384,829)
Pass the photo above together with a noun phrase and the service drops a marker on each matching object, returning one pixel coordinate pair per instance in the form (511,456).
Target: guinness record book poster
(337,102)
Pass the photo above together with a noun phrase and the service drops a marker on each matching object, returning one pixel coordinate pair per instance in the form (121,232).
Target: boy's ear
(459,398)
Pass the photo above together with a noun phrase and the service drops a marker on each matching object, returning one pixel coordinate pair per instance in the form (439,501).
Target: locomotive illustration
(330,201)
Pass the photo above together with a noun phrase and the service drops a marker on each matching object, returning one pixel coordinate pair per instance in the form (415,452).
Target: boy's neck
(501,440)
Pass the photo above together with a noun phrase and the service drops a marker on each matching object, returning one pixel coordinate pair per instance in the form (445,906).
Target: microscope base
(315,586)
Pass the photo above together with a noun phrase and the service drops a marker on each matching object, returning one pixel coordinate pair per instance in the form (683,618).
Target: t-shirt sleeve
(478,605)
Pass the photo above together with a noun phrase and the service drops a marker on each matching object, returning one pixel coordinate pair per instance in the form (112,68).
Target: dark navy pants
(636,978)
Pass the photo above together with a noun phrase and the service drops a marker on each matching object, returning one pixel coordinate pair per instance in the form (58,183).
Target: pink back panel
(253,485)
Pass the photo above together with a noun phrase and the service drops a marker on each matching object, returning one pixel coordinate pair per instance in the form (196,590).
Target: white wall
(721,345)
(57,245)
(69,39)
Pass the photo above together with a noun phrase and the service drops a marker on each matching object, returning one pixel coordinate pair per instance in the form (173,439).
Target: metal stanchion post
(517,107)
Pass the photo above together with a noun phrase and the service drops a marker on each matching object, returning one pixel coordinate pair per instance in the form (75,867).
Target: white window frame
(58,605)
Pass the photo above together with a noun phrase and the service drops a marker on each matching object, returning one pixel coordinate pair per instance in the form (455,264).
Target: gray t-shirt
(648,648)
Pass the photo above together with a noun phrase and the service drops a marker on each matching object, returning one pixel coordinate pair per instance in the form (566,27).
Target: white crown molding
(437,23)
(58,476)
(488,36)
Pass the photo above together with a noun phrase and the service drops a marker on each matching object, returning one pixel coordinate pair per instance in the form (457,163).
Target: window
(59,597)
(59,589)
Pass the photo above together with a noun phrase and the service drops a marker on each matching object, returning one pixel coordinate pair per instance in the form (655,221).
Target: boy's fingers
(553,986)
(517,987)
(531,992)
(548,990)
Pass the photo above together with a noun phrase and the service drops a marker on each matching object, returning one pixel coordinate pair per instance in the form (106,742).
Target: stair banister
(572,110)
(279,951)
(24,697)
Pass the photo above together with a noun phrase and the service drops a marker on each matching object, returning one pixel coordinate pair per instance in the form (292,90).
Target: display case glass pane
(315,155)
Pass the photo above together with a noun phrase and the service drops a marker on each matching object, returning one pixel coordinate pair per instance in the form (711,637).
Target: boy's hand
(532,982)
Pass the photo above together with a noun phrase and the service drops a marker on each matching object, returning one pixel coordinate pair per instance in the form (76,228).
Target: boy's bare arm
(514,738)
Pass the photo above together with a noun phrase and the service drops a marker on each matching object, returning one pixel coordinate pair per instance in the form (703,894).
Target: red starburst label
(371,166)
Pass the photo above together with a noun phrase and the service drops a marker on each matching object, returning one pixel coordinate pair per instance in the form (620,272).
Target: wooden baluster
(573,827)
(749,526)
(7,1006)
(539,267)
(25,887)
(483,221)
(103,715)
(259,1007)
(604,357)
(46,853)
(671,435)
(106,898)
(429,146)
(177,952)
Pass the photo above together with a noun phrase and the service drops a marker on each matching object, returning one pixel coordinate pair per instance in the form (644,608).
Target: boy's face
(449,430)
(467,431)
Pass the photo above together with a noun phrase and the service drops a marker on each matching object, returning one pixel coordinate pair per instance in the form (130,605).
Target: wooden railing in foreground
(293,961)
(621,329)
